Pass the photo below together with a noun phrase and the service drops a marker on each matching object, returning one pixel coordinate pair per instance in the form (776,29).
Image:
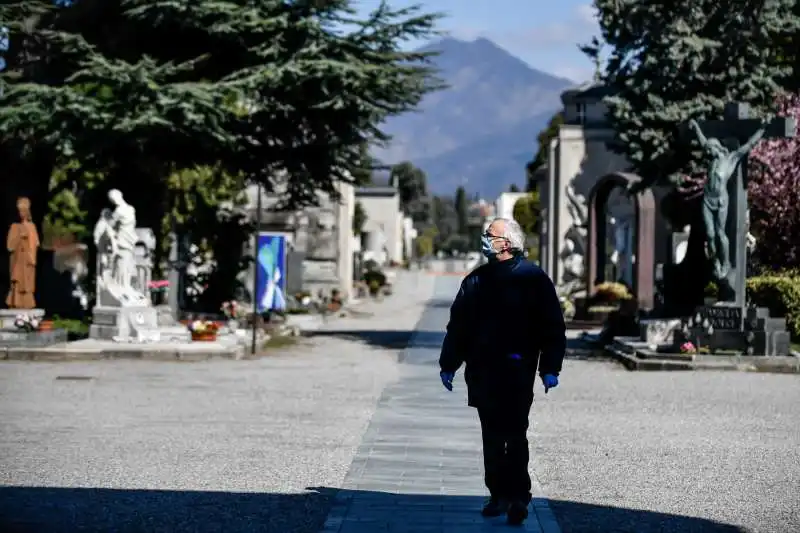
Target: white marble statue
(115,237)
(574,251)
(576,207)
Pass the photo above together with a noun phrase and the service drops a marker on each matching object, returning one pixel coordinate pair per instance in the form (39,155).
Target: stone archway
(644,246)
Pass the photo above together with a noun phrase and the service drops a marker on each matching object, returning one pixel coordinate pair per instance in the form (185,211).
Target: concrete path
(419,467)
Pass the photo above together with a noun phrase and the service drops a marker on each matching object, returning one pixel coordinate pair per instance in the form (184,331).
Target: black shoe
(494,507)
(517,513)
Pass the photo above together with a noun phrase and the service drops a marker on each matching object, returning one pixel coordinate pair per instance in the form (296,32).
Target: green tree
(444,218)
(539,160)
(286,94)
(462,211)
(527,212)
(275,90)
(423,244)
(412,185)
(410,181)
(668,64)
(789,57)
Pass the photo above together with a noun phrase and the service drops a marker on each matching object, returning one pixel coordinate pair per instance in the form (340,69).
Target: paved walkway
(419,466)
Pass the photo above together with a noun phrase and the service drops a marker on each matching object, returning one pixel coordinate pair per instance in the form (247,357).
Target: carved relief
(573,252)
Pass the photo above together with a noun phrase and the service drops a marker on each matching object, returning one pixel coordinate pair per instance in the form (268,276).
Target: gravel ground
(645,452)
(228,446)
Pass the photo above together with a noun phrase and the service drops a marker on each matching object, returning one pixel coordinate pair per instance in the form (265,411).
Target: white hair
(513,233)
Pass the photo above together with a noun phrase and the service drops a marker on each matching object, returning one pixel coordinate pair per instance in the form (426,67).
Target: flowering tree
(774,190)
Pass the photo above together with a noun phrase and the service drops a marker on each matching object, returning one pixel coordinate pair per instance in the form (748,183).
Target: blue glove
(447,379)
(549,381)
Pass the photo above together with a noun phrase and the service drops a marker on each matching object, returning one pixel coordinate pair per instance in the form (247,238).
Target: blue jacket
(504,309)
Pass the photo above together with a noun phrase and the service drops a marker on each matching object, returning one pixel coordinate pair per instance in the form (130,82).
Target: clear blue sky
(543,33)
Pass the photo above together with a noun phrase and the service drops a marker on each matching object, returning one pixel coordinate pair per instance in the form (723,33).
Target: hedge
(781,295)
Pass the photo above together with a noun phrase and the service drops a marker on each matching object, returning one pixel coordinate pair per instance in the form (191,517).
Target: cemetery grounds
(350,431)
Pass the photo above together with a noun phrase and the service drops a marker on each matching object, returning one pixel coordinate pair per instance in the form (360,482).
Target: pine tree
(669,63)
(276,90)
(462,208)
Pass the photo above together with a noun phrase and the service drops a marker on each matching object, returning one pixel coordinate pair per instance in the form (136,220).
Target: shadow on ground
(87,510)
(390,339)
(399,340)
(440,304)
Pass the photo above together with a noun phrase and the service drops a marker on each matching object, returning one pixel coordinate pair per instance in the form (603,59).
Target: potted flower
(158,291)
(688,348)
(26,323)
(611,292)
(203,330)
(233,311)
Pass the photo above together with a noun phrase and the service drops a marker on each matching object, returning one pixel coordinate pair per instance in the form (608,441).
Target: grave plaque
(750,330)
(723,316)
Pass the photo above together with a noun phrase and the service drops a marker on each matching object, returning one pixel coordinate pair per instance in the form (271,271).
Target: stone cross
(734,130)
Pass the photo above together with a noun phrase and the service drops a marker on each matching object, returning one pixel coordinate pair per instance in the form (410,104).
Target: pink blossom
(774,194)
(158,284)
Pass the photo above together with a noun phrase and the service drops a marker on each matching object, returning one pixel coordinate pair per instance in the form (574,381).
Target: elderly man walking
(505,322)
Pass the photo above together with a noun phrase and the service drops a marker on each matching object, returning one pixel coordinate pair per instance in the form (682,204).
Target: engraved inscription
(723,317)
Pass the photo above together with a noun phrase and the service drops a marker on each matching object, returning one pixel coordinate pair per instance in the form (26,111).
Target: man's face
(495,233)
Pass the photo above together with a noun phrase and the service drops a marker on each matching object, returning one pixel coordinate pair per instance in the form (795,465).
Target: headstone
(327,243)
(295,262)
(383,229)
(176,273)
(749,330)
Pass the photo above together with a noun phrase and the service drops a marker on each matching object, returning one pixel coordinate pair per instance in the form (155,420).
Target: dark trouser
(505,450)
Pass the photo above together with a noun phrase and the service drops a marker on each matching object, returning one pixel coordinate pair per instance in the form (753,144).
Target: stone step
(33,338)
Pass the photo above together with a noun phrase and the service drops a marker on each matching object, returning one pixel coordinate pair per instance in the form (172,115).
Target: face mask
(486,247)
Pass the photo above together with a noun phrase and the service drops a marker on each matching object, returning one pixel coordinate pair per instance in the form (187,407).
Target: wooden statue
(22,244)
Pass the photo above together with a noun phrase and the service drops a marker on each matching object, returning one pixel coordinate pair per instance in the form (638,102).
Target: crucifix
(727,144)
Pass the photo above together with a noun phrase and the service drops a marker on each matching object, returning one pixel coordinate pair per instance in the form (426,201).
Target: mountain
(482,129)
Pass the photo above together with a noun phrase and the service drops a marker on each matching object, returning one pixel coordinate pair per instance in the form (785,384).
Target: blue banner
(271,272)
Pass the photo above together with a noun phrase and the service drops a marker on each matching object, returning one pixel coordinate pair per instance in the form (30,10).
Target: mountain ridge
(482,129)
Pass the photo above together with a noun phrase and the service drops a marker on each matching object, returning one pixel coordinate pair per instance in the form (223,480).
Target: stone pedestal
(8,316)
(750,330)
(113,323)
(135,324)
(28,339)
